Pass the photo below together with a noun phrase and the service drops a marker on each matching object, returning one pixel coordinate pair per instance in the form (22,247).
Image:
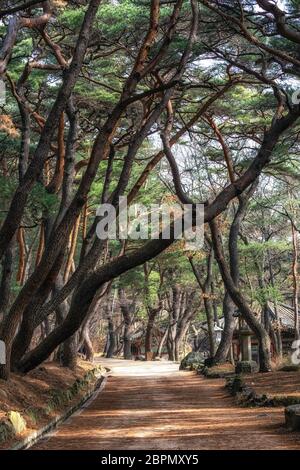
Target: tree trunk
(177,348)
(24,336)
(162,343)
(179,338)
(171,345)
(225,345)
(277,333)
(87,343)
(172,329)
(69,352)
(214,303)
(210,325)
(5,285)
(126,334)
(206,291)
(152,313)
(295,281)
(127,310)
(241,303)
(223,350)
(111,339)
(22,255)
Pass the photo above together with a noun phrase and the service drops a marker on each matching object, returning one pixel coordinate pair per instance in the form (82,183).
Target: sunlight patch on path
(121,367)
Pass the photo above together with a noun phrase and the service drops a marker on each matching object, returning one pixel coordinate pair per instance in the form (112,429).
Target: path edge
(37,435)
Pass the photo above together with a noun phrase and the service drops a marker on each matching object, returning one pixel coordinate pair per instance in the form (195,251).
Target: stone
(17,421)
(193,360)
(234,384)
(292,417)
(246,367)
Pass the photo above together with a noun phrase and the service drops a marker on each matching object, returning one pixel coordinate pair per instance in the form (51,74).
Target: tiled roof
(285,314)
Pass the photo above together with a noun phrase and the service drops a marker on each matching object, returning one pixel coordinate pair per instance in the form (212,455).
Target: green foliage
(242,115)
(125,16)
(8,186)
(256,249)
(268,293)
(72,17)
(41,201)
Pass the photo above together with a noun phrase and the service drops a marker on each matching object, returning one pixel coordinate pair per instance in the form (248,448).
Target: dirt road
(155,406)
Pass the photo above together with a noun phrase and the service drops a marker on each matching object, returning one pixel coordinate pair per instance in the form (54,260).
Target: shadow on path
(153,405)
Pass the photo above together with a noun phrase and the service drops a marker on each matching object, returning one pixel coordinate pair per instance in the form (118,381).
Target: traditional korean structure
(245,344)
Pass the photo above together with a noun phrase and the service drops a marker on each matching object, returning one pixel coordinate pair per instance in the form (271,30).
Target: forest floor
(275,384)
(155,406)
(30,394)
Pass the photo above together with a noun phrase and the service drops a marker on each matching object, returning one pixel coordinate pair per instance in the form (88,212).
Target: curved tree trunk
(179,338)
(5,284)
(23,339)
(241,303)
(127,309)
(295,280)
(126,334)
(228,305)
(223,350)
(69,352)
(162,343)
(152,314)
(171,344)
(87,344)
(111,339)
(205,287)
(127,342)
(277,332)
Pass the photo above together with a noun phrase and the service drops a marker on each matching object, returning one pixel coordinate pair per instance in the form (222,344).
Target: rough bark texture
(5,284)
(253,323)
(205,287)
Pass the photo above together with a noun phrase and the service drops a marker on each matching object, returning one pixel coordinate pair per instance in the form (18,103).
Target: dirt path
(154,406)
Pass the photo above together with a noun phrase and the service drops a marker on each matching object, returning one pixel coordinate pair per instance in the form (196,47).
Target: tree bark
(24,336)
(206,292)
(241,303)
(152,314)
(295,281)
(277,332)
(5,284)
(126,312)
(111,338)
(223,349)
(162,343)
(69,352)
(87,344)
